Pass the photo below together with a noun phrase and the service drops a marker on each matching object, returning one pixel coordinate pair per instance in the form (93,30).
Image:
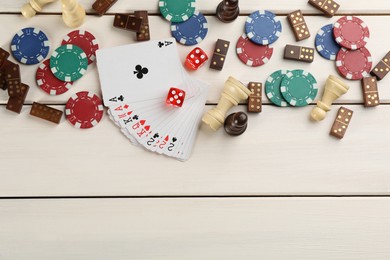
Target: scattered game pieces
(298,53)
(325,43)
(84,110)
(46,112)
(12,79)
(127,22)
(175,97)
(263,27)
(328,7)
(252,54)
(219,56)
(272,88)
(143,34)
(298,25)
(354,65)
(68,63)
(3,56)
(382,68)
(370,92)
(30,46)
(196,58)
(73,14)
(228,10)
(341,122)
(48,82)
(299,88)
(233,92)
(334,88)
(102,6)
(177,11)
(33,6)
(236,123)
(192,31)
(84,40)
(351,32)
(254,100)
(15,103)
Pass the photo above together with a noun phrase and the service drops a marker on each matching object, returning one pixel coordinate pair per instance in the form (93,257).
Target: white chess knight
(33,6)
(73,13)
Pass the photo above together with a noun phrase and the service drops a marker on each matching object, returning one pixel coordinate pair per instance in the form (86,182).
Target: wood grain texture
(282,152)
(209,6)
(193,229)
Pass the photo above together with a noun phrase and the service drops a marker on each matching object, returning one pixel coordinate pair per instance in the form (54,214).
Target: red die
(175,97)
(196,58)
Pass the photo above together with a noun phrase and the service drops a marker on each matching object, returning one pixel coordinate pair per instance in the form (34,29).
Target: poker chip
(351,32)
(299,88)
(85,40)
(272,88)
(48,82)
(192,31)
(325,43)
(252,54)
(84,110)
(354,64)
(68,63)
(30,46)
(177,11)
(263,27)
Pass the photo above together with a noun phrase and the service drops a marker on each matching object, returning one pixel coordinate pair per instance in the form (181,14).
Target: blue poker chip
(192,31)
(30,46)
(263,27)
(325,43)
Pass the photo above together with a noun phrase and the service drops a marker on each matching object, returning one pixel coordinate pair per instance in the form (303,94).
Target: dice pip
(175,97)
(196,58)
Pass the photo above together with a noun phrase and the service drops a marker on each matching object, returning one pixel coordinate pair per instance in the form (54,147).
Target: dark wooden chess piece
(236,123)
(228,10)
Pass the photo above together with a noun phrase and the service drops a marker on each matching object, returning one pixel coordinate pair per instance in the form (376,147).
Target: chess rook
(228,10)
(236,123)
(73,13)
(233,92)
(33,6)
(334,88)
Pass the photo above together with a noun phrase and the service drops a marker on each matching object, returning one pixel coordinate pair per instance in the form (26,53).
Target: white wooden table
(282,190)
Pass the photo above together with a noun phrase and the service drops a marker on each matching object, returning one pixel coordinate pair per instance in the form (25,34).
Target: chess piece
(73,13)
(228,10)
(233,92)
(236,123)
(33,6)
(334,88)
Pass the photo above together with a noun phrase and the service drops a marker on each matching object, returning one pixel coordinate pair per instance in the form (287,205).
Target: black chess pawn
(236,123)
(228,10)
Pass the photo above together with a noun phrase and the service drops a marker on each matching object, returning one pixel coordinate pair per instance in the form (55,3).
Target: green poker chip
(68,63)
(177,10)
(299,88)
(272,88)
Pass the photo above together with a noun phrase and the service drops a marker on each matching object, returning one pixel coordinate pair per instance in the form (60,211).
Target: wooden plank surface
(193,229)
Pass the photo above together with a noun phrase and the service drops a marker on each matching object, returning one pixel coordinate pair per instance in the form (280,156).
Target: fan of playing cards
(151,97)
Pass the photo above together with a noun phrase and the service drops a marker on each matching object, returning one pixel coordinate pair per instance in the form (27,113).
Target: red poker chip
(84,109)
(354,64)
(48,82)
(85,40)
(351,32)
(252,54)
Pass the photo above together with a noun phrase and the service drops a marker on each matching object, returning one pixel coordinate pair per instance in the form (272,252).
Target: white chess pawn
(233,92)
(73,13)
(33,6)
(334,88)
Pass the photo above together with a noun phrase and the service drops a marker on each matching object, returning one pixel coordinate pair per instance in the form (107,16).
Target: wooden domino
(144,33)
(219,56)
(127,22)
(370,92)
(46,112)
(328,7)
(102,6)
(15,104)
(298,53)
(3,56)
(382,68)
(254,99)
(341,122)
(12,78)
(298,25)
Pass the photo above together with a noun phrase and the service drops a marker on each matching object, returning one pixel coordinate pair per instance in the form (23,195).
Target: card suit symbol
(174,139)
(156,135)
(142,122)
(160,44)
(166,138)
(135,117)
(147,127)
(140,72)
(121,98)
